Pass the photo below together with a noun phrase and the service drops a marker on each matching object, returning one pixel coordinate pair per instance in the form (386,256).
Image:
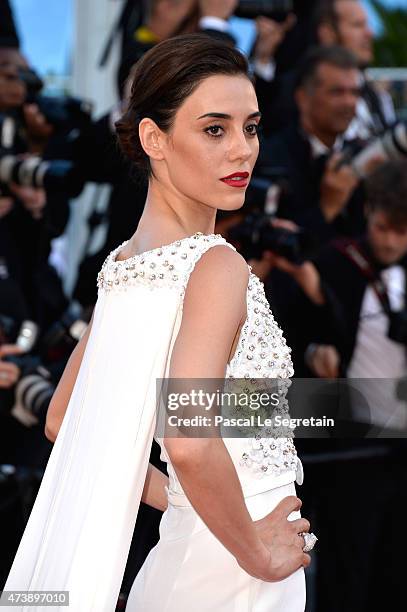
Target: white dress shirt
(377,361)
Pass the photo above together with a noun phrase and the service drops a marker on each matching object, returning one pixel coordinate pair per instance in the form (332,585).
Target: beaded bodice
(261,351)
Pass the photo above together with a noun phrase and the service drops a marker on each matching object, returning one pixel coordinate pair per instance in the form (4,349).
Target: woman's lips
(238,179)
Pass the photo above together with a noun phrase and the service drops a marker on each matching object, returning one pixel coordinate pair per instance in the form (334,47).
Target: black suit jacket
(286,157)
(335,323)
(277,102)
(344,287)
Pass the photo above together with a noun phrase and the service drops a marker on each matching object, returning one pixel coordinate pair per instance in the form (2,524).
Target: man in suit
(166,18)
(345,22)
(336,22)
(355,322)
(303,158)
(355,486)
(350,334)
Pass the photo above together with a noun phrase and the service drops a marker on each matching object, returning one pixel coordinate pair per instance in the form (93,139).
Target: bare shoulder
(214,305)
(220,266)
(215,297)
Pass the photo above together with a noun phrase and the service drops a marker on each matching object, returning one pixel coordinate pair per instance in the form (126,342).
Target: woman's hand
(282,542)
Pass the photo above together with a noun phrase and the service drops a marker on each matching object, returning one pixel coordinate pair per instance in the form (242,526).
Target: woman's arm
(214,303)
(60,399)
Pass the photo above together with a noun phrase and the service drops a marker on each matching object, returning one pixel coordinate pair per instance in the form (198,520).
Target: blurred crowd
(324,226)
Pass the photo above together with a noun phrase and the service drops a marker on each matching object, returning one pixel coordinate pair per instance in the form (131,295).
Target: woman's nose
(240,148)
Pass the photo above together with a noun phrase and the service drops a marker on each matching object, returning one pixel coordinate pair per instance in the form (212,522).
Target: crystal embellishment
(261,350)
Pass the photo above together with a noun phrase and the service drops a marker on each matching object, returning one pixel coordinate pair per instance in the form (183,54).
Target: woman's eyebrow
(224,116)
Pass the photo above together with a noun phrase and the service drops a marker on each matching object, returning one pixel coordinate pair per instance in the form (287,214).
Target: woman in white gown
(174,301)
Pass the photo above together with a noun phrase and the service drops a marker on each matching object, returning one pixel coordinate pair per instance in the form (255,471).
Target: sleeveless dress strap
(203,244)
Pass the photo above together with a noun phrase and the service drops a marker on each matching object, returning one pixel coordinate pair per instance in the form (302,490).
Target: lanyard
(352,251)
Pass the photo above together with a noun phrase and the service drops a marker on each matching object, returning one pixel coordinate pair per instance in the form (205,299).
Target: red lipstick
(237,179)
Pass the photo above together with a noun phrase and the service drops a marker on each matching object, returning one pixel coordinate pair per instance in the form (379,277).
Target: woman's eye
(216,130)
(212,130)
(253,129)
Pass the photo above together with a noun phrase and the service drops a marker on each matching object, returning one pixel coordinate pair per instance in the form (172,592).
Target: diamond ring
(310,540)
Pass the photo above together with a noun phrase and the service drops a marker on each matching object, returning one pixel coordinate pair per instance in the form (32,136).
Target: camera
(61,338)
(33,394)
(256,235)
(33,391)
(69,116)
(278,10)
(26,339)
(52,175)
(391,145)
(64,113)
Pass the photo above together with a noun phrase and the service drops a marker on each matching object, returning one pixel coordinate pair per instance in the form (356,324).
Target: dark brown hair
(339,57)
(164,77)
(386,191)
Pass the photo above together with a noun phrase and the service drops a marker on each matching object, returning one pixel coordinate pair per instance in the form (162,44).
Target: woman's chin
(233,201)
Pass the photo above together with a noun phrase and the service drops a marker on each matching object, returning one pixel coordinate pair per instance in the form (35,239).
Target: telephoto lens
(391,145)
(56,175)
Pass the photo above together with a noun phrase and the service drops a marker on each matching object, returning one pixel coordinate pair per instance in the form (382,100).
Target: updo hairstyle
(164,77)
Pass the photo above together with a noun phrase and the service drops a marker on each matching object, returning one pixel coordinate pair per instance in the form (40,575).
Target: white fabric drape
(80,529)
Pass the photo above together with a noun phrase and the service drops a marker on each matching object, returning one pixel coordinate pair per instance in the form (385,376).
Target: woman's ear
(151,138)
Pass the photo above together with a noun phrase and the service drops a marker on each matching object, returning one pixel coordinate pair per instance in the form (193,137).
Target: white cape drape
(79,532)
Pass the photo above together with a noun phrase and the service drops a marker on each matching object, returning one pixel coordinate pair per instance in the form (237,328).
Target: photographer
(354,322)
(22,439)
(363,282)
(31,128)
(345,23)
(347,307)
(166,18)
(335,23)
(29,217)
(318,191)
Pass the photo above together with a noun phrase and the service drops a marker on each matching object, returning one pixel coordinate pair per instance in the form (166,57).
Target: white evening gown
(79,532)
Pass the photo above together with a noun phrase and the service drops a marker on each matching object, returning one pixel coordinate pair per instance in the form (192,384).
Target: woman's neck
(171,214)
